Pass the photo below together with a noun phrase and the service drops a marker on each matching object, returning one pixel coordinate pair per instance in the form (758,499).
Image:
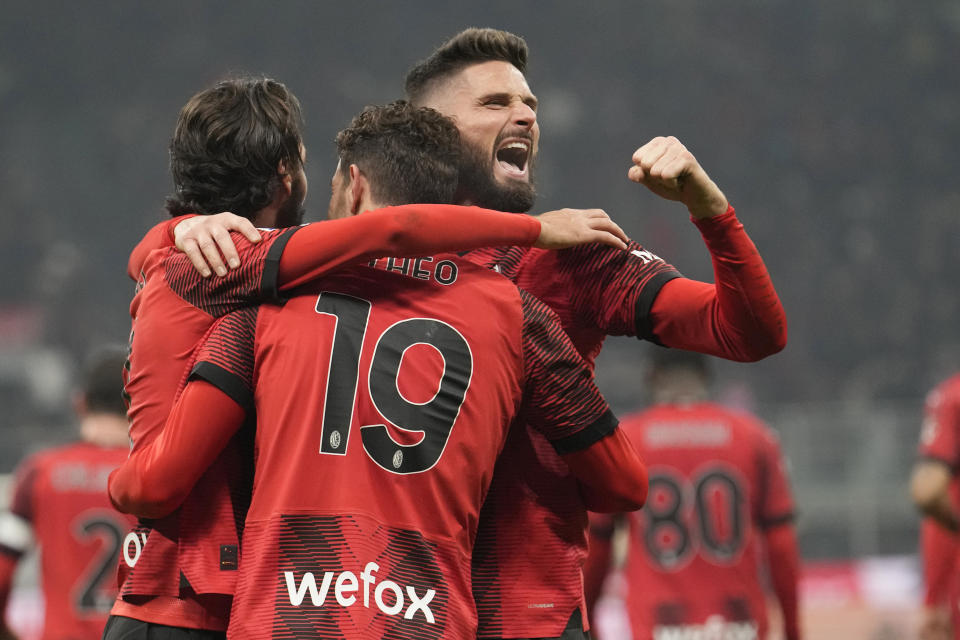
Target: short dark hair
(409,154)
(228,143)
(667,359)
(469,47)
(102,380)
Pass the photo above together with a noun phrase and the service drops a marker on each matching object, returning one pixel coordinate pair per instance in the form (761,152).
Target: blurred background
(832,127)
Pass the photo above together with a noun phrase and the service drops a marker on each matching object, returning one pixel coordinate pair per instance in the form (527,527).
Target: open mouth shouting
(513,158)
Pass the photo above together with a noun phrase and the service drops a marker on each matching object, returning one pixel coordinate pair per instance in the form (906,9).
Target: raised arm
(740,316)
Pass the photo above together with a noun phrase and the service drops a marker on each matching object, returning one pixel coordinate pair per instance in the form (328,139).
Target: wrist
(711,209)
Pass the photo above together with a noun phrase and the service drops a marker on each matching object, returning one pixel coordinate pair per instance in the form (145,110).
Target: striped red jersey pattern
(173,309)
(531,542)
(383,396)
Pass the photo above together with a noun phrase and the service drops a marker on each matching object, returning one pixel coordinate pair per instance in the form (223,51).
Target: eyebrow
(530,100)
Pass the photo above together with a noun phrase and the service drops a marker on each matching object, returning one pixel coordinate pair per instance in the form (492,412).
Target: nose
(524,116)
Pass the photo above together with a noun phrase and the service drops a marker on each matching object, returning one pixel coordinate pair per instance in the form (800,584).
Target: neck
(104,430)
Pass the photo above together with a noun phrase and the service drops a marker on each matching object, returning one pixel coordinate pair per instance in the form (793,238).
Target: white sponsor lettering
(138,542)
(645,255)
(346,585)
(715,628)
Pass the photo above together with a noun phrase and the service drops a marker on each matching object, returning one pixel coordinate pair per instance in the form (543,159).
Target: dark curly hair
(228,143)
(469,47)
(408,154)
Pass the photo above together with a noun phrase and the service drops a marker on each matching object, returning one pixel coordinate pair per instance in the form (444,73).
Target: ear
(359,187)
(286,178)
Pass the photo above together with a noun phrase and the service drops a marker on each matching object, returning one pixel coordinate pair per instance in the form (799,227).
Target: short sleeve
(776,499)
(254,281)
(561,399)
(226,357)
(615,289)
(941,420)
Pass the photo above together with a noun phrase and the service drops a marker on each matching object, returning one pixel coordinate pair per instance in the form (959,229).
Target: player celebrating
(238,146)
(934,487)
(405,374)
(531,543)
(719,499)
(59,503)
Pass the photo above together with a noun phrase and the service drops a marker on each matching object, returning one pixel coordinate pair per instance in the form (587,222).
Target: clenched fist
(664,166)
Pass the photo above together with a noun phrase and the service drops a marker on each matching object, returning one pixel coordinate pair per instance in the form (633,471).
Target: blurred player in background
(531,543)
(719,512)
(60,505)
(936,492)
(438,348)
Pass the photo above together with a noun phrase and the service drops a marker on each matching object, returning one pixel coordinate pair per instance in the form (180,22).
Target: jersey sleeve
(226,358)
(219,395)
(254,281)
(941,421)
(159,236)
(740,317)
(561,399)
(402,231)
(615,288)
(938,548)
(776,500)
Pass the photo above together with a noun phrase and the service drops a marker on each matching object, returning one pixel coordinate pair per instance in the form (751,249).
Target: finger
(610,226)
(645,149)
(603,237)
(212,255)
(192,252)
(636,173)
(651,152)
(244,226)
(225,243)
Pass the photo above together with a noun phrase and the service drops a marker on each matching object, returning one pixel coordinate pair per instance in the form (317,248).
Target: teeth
(517,145)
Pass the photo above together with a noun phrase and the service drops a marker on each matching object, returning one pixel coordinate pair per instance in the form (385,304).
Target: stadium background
(832,127)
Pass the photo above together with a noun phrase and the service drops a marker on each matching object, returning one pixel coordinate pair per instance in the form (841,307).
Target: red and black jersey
(717,481)
(940,435)
(940,441)
(60,504)
(531,543)
(190,549)
(181,558)
(383,396)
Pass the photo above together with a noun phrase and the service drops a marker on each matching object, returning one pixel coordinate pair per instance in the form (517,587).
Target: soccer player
(60,504)
(935,490)
(531,542)
(383,394)
(238,146)
(719,509)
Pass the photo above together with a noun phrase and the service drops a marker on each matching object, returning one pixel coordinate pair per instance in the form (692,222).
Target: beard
(291,212)
(479,186)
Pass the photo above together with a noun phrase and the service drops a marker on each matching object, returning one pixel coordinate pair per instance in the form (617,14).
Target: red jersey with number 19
(693,563)
(60,494)
(383,396)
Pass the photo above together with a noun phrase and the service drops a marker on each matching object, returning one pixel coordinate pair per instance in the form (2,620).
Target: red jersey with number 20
(383,396)
(694,558)
(61,495)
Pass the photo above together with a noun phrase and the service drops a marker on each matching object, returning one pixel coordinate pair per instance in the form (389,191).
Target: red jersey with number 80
(716,476)
(383,396)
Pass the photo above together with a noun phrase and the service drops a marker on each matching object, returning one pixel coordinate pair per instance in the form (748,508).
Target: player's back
(383,397)
(694,559)
(62,493)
